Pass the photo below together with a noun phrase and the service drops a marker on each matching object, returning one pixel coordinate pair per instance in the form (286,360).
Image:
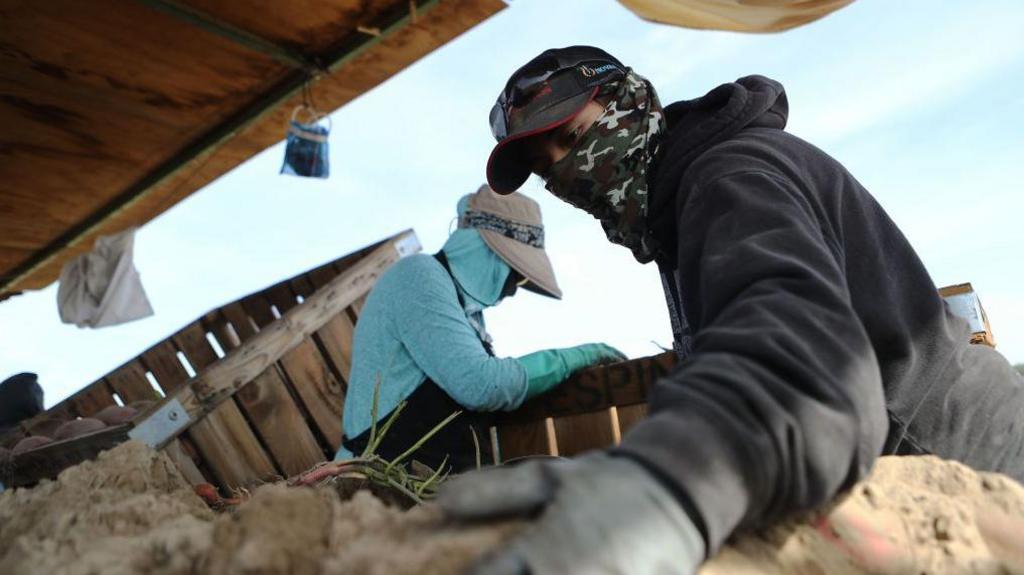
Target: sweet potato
(78,427)
(116,414)
(30,443)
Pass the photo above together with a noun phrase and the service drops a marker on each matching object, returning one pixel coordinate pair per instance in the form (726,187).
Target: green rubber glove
(546,369)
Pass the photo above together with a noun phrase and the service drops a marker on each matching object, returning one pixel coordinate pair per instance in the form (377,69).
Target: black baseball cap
(542,95)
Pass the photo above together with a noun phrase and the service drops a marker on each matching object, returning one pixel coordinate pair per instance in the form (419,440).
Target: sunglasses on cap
(546,81)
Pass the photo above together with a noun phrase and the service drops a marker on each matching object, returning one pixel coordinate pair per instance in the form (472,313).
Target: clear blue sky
(921,100)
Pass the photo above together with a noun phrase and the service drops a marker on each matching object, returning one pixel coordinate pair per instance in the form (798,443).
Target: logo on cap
(589,72)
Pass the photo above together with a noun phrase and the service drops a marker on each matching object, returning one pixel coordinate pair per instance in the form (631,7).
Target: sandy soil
(130,511)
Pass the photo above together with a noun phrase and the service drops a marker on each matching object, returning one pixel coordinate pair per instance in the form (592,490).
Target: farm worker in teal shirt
(422,335)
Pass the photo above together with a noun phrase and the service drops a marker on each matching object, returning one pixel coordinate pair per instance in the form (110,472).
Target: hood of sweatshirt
(694,126)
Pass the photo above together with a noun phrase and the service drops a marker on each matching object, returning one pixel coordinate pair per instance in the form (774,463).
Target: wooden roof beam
(234,34)
(333,60)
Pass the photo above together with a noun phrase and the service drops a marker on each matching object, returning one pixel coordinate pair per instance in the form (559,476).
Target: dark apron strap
(682,338)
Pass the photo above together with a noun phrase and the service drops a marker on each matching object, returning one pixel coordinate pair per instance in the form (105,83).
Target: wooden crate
(263,379)
(254,390)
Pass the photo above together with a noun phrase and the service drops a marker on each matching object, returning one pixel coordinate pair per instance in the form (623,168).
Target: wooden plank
(598,388)
(322,275)
(335,337)
(266,346)
(162,361)
(201,104)
(130,383)
(228,445)
(224,378)
(280,423)
(93,398)
(281,296)
(318,388)
(357,306)
(184,463)
(629,416)
(258,308)
(575,434)
(301,285)
(522,439)
(192,342)
(240,321)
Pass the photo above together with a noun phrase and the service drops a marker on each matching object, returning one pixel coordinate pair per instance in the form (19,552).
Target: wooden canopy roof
(112,111)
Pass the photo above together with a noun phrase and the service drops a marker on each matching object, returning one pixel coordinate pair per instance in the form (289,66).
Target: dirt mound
(130,511)
(913,515)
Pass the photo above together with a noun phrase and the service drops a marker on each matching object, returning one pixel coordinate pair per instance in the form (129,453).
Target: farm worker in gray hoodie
(422,335)
(811,338)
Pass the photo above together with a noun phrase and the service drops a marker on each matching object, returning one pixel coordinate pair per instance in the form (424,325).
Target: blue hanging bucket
(306,151)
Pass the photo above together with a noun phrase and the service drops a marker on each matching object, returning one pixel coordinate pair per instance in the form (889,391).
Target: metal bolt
(173,416)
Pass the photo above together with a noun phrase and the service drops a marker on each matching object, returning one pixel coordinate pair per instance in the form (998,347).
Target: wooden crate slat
(240,321)
(598,388)
(336,339)
(630,415)
(93,398)
(280,423)
(130,383)
(225,439)
(318,388)
(522,439)
(162,361)
(258,309)
(281,296)
(322,275)
(575,434)
(223,380)
(357,306)
(184,463)
(230,449)
(301,286)
(192,342)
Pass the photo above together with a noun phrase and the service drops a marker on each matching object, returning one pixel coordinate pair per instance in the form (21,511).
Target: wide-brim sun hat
(544,94)
(512,226)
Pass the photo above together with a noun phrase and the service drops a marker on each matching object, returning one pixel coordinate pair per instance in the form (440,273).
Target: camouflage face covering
(605,174)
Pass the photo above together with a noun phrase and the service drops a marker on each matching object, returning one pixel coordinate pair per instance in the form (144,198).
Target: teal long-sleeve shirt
(412,328)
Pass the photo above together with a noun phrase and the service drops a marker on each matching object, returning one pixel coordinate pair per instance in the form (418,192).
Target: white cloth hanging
(102,287)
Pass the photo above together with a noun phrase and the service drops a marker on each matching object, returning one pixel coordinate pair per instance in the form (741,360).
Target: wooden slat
(240,321)
(162,361)
(280,423)
(522,439)
(322,275)
(318,388)
(258,309)
(336,339)
(224,438)
(93,398)
(130,383)
(184,463)
(629,416)
(301,286)
(598,388)
(230,449)
(357,306)
(224,378)
(192,342)
(281,296)
(575,434)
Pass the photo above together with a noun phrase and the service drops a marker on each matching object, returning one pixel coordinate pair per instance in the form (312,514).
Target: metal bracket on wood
(164,424)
